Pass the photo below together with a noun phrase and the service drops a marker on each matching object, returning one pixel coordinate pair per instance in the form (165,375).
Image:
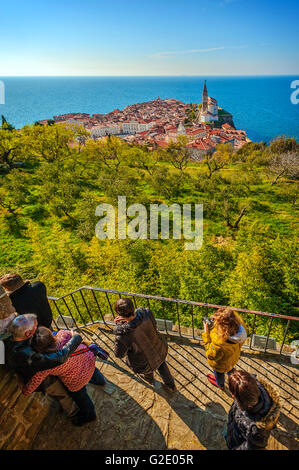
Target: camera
(209,321)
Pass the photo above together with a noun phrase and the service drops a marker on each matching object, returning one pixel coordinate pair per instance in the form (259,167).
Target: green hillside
(52,179)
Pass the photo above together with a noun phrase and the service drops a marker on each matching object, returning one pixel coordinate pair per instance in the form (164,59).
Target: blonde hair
(227,322)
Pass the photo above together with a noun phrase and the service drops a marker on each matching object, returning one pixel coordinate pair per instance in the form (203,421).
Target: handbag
(96,349)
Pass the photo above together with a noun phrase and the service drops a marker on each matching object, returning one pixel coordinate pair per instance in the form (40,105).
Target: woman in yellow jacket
(223,343)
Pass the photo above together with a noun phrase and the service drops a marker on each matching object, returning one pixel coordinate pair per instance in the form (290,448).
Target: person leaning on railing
(137,338)
(223,343)
(254,413)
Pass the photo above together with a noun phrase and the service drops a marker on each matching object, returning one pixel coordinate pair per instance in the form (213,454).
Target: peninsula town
(159,122)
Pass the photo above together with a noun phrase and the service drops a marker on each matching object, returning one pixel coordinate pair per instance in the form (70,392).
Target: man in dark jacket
(20,357)
(137,337)
(253,414)
(28,297)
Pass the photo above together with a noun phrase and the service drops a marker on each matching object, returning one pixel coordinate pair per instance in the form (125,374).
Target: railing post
(77,308)
(252,331)
(60,314)
(268,334)
(107,297)
(83,298)
(192,322)
(285,334)
(99,308)
(165,324)
(73,318)
(178,315)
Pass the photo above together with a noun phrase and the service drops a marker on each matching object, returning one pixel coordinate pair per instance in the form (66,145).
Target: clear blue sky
(154,37)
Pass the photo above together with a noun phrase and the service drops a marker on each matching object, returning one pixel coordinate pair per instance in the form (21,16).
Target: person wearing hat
(7,313)
(27,297)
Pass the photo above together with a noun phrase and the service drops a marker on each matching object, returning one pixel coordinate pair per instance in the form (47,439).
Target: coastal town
(159,122)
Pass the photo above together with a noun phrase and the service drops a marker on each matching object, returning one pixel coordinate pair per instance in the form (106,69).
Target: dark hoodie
(141,342)
(250,429)
(32,298)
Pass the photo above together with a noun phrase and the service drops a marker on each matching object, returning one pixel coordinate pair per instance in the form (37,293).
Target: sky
(154,37)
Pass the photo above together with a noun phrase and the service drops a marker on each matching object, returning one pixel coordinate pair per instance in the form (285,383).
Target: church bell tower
(204,108)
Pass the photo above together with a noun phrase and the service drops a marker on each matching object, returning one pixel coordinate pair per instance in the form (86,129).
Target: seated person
(75,373)
(22,359)
(7,313)
(28,297)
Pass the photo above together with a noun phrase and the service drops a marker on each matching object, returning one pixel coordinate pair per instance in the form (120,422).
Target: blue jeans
(219,376)
(84,402)
(97,378)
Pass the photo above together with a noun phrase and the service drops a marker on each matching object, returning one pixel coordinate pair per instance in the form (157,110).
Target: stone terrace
(133,415)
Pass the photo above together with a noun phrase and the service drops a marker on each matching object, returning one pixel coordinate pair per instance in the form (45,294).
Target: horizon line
(158,76)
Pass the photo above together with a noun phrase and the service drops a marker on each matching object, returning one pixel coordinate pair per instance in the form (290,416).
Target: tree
(219,159)
(178,154)
(167,184)
(140,157)
(250,151)
(284,165)
(109,152)
(122,183)
(6,125)
(82,136)
(228,202)
(48,143)
(289,190)
(283,145)
(60,189)
(11,147)
(85,215)
(14,191)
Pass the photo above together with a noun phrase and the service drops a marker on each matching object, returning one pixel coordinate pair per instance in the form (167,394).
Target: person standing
(137,338)
(28,297)
(254,413)
(223,343)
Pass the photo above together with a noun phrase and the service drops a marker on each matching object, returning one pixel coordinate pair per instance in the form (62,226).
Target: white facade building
(209,109)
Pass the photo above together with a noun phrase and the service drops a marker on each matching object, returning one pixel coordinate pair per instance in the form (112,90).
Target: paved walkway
(133,415)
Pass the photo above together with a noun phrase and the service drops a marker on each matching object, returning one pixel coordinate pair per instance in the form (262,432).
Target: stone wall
(20,416)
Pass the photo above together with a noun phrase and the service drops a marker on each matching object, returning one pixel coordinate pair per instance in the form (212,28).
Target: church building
(209,109)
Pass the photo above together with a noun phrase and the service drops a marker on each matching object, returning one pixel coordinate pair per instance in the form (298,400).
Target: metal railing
(90,305)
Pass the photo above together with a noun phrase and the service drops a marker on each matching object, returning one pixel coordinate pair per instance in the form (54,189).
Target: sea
(261,105)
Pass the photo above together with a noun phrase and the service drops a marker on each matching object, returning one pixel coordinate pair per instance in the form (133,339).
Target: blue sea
(260,105)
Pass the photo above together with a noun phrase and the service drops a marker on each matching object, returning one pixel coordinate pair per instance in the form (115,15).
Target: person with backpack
(137,338)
